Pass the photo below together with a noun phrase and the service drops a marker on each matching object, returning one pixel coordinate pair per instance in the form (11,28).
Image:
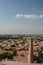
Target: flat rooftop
(16,63)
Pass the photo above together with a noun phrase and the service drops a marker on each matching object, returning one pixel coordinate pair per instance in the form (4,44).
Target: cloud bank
(29,16)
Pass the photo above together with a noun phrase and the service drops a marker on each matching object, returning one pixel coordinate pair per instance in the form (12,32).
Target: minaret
(30,53)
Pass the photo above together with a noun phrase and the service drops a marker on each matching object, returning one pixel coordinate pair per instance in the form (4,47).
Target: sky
(21,16)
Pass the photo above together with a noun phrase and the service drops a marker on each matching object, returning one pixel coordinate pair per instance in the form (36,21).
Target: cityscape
(21,32)
(21,48)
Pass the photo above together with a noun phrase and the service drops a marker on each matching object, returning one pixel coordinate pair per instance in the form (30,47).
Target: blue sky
(21,16)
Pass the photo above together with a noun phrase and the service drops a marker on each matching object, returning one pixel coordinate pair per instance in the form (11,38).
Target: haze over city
(21,16)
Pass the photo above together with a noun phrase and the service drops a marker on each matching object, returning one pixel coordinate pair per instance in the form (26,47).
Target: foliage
(14,52)
(35,58)
(6,55)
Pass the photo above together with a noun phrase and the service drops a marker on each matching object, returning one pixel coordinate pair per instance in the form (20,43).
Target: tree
(14,52)
(6,55)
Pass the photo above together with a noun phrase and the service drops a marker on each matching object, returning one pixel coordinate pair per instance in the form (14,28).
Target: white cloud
(19,15)
(41,16)
(29,16)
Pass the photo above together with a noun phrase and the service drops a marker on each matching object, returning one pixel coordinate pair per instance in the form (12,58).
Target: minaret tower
(30,53)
